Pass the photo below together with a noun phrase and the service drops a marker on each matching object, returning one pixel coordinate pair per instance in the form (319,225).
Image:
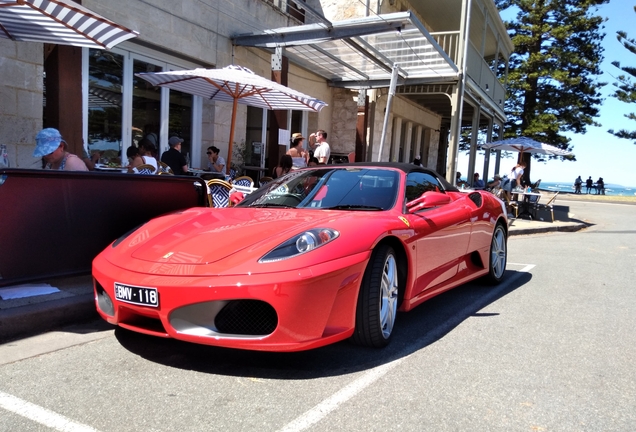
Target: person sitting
(477,182)
(52,148)
(173,157)
(90,160)
(216,163)
(285,165)
(459,182)
(144,156)
(494,184)
(132,153)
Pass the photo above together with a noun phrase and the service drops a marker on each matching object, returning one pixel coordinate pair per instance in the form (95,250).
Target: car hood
(201,237)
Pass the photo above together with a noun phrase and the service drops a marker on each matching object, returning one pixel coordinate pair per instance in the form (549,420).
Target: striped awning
(61,22)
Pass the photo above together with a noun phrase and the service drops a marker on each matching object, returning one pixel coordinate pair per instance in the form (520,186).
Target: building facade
(450,57)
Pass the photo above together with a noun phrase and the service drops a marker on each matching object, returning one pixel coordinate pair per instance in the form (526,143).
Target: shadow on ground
(415,330)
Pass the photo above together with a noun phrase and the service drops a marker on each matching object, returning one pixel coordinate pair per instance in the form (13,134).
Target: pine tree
(626,89)
(552,85)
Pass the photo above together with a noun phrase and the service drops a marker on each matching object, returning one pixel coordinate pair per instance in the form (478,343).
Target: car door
(442,233)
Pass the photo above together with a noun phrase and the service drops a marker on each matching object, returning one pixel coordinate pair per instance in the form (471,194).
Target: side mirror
(427,200)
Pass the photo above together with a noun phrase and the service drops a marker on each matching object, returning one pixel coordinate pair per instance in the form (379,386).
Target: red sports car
(320,255)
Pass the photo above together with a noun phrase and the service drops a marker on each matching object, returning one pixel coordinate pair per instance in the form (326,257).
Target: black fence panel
(53,223)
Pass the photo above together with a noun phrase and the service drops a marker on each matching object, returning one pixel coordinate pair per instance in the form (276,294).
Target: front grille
(246,317)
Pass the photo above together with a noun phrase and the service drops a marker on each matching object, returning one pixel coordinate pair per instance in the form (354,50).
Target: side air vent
(476,198)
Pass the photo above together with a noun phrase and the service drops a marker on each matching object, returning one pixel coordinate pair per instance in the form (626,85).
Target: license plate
(137,295)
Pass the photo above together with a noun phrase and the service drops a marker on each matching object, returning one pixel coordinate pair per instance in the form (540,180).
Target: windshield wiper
(271,205)
(353,207)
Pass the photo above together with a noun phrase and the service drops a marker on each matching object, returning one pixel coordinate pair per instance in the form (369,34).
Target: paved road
(551,349)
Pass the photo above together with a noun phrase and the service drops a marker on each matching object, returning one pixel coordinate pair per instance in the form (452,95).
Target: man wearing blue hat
(51,147)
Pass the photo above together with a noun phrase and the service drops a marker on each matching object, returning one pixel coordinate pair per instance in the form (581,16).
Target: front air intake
(246,317)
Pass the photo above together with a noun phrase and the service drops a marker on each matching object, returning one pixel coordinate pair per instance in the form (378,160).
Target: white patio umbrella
(234,84)
(526,145)
(61,22)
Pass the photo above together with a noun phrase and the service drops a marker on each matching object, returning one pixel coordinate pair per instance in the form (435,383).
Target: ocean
(610,189)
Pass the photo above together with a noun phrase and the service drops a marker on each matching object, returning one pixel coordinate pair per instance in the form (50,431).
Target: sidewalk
(26,316)
(74,303)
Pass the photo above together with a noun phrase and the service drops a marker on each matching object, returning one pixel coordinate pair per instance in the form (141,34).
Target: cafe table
(526,202)
(104,167)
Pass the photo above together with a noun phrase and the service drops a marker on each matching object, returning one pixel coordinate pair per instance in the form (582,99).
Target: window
(419,182)
(121,108)
(105,91)
(146,104)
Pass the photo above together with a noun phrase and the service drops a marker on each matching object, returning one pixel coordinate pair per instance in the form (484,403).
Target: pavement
(73,300)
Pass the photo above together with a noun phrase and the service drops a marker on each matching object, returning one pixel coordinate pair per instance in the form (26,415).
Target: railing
(449,41)
(476,66)
(482,74)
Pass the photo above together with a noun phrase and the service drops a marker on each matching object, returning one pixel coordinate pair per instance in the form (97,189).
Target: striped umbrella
(234,84)
(61,22)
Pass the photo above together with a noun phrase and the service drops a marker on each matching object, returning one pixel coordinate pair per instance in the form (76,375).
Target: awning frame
(340,43)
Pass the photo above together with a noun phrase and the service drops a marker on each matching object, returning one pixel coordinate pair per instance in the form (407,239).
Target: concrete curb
(570,227)
(37,318)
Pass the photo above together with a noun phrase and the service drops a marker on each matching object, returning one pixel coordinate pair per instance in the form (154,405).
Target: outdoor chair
(218,193)
(512,207)
(145,169)
(212,176)
(264,180)
(244,181)
(164,168)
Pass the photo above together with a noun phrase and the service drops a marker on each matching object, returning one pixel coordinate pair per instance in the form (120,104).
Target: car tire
(378,299)
(498,255)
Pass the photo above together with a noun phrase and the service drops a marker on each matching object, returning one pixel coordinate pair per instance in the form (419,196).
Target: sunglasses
(209,153)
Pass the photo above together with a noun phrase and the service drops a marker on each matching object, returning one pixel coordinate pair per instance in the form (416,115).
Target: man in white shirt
(322,150)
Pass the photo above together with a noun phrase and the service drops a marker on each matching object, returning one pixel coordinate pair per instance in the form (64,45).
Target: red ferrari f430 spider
(317,256)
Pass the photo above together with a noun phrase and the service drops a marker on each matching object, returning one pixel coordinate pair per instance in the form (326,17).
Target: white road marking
(41,415)
(321,410)
(526,267)
(324,408)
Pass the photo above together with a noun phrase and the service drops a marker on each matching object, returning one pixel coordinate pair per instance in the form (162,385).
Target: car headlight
(300,244)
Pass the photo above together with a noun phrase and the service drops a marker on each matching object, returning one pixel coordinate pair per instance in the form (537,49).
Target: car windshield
(357,189)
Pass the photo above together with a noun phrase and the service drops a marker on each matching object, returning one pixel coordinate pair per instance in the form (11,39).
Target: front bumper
(284,311)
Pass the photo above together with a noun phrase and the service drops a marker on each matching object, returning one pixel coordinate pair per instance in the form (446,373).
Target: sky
(598,153)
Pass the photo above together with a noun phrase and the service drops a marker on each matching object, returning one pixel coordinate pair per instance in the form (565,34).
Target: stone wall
(342,136)
(194,28)
(21,69)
